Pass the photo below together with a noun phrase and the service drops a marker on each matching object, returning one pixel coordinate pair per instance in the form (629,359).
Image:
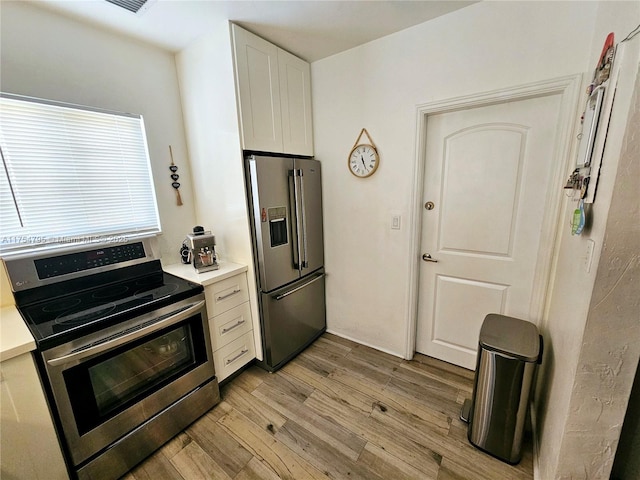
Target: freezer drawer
(293,317)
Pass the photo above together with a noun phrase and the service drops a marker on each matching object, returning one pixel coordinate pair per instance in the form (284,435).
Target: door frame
(569,88)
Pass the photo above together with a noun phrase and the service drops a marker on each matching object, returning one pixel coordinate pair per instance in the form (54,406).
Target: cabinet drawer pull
(227,295)
(231,360)
(240,322)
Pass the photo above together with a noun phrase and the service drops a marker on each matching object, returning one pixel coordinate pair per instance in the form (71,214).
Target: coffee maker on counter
(199,248)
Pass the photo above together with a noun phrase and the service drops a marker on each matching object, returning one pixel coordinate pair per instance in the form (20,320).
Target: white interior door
(487,174)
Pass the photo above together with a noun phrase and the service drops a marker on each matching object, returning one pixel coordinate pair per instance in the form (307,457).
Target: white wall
(205,69)
(53,57)
(592,327)
(483,47)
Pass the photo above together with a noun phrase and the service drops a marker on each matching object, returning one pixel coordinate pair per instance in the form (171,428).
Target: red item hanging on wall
(603,68)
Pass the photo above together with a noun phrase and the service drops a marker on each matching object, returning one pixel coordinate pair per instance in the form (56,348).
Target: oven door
(107,384)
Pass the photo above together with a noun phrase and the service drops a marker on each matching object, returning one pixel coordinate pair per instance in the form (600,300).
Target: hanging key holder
(174,177)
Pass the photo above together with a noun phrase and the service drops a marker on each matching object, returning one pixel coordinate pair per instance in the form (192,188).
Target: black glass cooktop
(58,317)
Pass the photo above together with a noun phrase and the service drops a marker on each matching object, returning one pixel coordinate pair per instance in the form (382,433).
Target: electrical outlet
(588,257)
(395,221)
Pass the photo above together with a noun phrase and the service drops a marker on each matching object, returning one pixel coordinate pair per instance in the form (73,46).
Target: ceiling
(310,29)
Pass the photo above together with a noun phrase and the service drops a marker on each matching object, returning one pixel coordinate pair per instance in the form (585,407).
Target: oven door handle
(128,335)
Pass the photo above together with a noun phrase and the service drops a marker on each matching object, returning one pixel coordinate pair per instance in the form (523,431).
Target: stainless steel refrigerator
(285,205)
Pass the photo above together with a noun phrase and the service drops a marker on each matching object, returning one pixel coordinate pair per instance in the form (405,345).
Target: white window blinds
(72,175)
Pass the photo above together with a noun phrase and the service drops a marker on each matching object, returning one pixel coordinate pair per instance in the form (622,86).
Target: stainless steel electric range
(123,350)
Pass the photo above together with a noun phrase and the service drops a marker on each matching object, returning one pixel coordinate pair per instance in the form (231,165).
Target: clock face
(363,160)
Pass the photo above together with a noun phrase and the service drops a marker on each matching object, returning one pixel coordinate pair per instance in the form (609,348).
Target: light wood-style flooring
(339,410)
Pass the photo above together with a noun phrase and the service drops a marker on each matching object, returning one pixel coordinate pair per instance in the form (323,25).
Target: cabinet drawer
(230,325)
(226,294)
(236,354)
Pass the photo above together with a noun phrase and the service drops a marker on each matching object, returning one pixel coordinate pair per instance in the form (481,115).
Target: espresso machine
(199,248)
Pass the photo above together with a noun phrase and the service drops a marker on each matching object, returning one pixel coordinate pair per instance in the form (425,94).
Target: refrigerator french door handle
(286,294)
(305,263)
(297,264)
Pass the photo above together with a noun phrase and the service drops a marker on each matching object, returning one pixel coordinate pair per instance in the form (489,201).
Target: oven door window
(103,387)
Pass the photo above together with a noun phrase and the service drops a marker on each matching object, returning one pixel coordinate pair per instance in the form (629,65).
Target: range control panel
(76,262)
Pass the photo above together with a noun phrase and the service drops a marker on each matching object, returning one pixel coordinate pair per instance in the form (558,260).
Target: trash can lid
(511,336)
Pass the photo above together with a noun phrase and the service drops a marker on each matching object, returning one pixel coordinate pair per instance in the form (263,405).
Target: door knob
(427,258)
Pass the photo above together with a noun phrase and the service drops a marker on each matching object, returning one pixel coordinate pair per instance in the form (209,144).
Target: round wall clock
(363,159)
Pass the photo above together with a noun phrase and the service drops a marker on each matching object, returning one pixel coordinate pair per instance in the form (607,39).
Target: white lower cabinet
(28,441)
(230,324)
(234,355)
(226,294)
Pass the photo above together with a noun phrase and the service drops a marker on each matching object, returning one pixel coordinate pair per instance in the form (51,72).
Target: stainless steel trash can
(508,352)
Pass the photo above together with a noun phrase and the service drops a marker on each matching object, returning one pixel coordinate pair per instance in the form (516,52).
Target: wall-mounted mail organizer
(583,181)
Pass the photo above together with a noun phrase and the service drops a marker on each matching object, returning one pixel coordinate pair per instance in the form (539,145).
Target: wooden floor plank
(388,466)
(431,395)
(387,397)
(251,378)
(422,383)
(219,445)
(323,456)
(336,347)
(289,385)
(373,358)
(177,443)
(318,368)
(193,463)
(443,366)
(446,446)
(358,368)
(466,455)
(453,472)
(521,470)
(256,470)
(339,410)
(449,378)
(374,431)
(457,469)
(258,412)
(324,427)
(305,372)
(263,444)
(341,340)
(335,389)
(403,420)
(154,467)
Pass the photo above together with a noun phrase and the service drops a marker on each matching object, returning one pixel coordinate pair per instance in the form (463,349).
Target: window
(72,174)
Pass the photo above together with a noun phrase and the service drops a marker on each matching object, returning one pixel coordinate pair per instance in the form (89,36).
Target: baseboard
(534,432)
(375,347)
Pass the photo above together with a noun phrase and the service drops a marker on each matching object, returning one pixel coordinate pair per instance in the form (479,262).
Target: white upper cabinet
(295,104)
(274,96)
(258,91)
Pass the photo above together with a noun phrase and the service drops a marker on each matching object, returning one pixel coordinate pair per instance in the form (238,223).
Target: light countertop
(186,271)
(15,337)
